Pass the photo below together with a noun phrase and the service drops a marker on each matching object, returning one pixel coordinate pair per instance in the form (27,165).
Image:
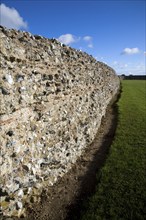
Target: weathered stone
(52,101)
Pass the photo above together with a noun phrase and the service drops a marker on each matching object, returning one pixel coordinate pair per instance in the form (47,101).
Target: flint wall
(52,98)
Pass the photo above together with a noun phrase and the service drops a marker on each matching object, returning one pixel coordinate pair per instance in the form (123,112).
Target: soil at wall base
(63,200)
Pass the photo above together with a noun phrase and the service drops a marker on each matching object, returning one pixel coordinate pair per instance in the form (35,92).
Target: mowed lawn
(121,183)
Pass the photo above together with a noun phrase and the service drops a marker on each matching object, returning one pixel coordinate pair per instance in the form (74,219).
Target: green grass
(121,191)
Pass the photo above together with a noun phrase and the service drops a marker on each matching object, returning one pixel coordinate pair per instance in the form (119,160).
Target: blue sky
(111,31)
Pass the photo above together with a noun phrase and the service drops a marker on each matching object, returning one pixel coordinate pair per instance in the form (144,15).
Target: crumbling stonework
(52,100)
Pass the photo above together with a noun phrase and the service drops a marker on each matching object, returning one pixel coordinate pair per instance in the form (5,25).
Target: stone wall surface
(52,100)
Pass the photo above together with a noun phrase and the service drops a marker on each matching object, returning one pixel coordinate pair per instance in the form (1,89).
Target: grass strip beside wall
(121,191)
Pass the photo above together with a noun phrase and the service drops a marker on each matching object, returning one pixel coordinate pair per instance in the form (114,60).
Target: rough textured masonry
(52,100)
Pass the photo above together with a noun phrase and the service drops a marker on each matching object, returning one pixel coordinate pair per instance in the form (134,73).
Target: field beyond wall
(121,183)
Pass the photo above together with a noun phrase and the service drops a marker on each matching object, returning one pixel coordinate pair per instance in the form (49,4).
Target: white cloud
(68,39)
(87,38)
(115,62)
(10,18)
(90,45)
(98,57)
(137,68)
(131,51)
(145,53)
(119,65)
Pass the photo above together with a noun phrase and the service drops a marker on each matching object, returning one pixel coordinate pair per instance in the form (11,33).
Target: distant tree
(123,76)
